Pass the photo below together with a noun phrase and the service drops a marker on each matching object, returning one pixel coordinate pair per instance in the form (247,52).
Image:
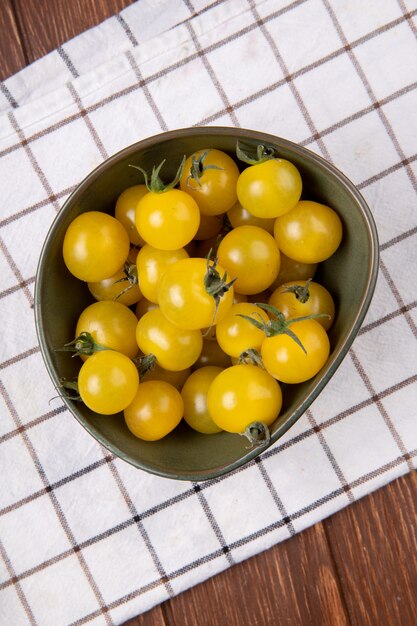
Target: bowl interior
(350,275)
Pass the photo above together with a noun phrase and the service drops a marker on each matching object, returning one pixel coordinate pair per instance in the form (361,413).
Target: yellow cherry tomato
(108,382)
(151,265)
(270,188)
(239,216)
(250,255)
(214,190)
(143,306)
(210,226)
(293,270)
(185,298)
(167,220)
(241,395)
(120,287)
(285,360)
(310,233)
(95,246)
(125,211)
(194,395)
(212,354)
(176,379)
(112,325)
(155,411)
(175,348)
(235,334)
(316,300)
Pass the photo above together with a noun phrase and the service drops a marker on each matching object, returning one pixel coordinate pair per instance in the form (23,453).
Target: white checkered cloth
(85,537)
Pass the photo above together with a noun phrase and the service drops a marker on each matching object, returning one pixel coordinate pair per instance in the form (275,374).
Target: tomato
(212,354)
(175,349)
(167,220)
(242,395)
(270,188)
(176,379)
(312,300)
(95,246)
(151,265)
(238,216)
(155,411)
(125,211)
(186,298)
(112,325)
(194,395)
(204,247)
(108,382)
(285,360)
(235,334)
(210,177)
(250,255)
(143,306)
(122,286)
(293,270)
(210,226)
(310,233)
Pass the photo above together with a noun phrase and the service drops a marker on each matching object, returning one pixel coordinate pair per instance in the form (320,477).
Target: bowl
(350,275)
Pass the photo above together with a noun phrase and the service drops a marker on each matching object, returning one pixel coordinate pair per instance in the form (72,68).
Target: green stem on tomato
(301,292)
(263,153)
(198,168)
(84,344)
(280,325)
(154,183)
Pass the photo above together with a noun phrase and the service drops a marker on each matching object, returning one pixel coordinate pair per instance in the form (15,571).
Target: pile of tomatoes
(204,295)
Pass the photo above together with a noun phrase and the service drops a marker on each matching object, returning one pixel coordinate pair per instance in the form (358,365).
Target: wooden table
(358,567)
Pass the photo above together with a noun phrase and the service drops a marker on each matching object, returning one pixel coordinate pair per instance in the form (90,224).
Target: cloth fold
(338,78)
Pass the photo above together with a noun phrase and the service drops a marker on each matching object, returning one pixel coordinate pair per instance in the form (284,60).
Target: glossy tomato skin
(175,348)
(320,301)
(183,297)
(250,255)
(212,354)
(176,379)
(239,216)
(143,306)
(241,395)
(236,334)
(215,193)
(167,220)
(290,270)
(310,233)
(125,211)
(111,324)
(194,395)
(151,265)
(210,226)
(114,288)
(155,411)
(95,246)
(287,362)
(269,189)
(108,382)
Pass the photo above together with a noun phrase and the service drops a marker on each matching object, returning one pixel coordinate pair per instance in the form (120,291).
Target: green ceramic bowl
(350,275)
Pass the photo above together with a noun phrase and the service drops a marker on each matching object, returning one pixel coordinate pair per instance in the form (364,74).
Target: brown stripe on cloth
(57,507)
(16,271)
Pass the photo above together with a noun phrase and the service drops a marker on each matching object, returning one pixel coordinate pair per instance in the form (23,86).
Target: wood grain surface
(358,567)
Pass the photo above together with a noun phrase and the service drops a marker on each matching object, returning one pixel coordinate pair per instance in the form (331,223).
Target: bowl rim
(336,358)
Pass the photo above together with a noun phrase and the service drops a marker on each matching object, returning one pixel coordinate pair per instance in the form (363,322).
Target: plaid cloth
(85,537)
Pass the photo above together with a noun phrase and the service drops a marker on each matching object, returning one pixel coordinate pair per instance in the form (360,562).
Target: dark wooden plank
(154,617)
(293,583)
(12,56)
(374,543)
(46,24)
